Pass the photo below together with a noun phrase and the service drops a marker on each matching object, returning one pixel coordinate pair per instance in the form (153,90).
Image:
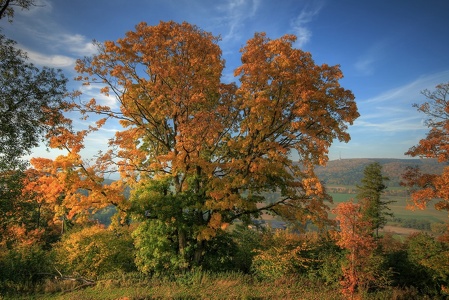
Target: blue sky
(388,51)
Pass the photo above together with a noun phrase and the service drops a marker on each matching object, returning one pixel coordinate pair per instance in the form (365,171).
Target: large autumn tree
(198,153)
(427,187)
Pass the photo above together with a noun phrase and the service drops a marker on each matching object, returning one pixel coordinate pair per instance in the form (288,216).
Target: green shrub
(220,254)
(22,267)
(94,251)
(326,266)
(156,248)
(432,258)
(283,253)
(247,241)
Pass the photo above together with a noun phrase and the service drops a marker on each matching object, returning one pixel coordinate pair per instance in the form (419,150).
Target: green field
(401,208)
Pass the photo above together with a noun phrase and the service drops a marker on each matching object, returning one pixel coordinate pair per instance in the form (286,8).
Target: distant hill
(350,171)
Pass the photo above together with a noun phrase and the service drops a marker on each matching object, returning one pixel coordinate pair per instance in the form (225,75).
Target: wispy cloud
(392,111)
(38,7)
(234,13)
(410,92)
(299,24)
(365,64)
(51,44)
(93,91)
(75,44)
(394,124)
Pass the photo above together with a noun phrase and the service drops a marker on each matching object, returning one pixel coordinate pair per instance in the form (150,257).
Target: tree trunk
(182,244)
(198,256)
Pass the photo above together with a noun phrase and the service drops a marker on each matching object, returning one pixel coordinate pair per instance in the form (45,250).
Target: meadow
(401,207)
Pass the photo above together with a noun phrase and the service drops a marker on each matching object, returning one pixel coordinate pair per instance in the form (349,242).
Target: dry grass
(207,286)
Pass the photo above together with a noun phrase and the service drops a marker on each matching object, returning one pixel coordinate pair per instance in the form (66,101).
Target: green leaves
(31,100)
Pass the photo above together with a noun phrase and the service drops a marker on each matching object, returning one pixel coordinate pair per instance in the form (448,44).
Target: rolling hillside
(350,171)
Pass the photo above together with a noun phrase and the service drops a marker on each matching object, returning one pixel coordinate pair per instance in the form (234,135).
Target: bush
(247,241)
(22,267)
(326,266)
(432,257)
(220,254)
(283,253)
(94,251)
(156,248)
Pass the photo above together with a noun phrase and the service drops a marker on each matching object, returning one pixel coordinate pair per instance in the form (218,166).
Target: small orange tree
(355,235)
(198,153)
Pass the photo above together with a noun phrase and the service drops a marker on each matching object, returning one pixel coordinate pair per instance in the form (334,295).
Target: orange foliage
(355,236)
(426,187)
(67,184)
(220,146)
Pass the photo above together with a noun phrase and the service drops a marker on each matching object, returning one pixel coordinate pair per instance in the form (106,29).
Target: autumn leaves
(215,141)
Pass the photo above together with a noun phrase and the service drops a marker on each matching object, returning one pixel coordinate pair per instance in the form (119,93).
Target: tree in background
(426,187)
(31,104)
(369,194)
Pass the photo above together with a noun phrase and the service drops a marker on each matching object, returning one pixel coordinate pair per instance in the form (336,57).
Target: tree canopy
(30,102)
(198,153)
(426,187)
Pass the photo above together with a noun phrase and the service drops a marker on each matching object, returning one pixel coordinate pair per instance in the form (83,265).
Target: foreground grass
(199,285)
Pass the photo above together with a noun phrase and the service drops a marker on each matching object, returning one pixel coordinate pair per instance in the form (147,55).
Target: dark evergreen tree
(369,194)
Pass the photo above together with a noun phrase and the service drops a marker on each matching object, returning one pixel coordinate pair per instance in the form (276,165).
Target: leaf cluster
(425,187)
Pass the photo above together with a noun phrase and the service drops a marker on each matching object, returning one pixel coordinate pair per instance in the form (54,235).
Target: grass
(204,285)
(400,207)
(200,285)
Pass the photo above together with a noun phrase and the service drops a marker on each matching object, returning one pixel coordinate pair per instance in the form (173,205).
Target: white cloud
(365,65)
(74,43)
(392,112)
(51,44)
(393,125)
(299,24)
(54,61)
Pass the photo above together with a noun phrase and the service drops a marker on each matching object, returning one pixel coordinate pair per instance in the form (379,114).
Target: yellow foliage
(283,255)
